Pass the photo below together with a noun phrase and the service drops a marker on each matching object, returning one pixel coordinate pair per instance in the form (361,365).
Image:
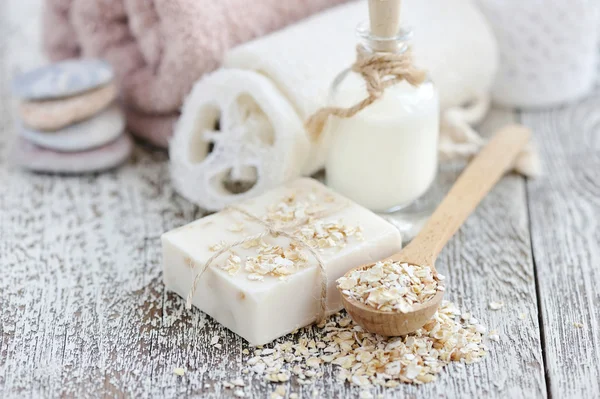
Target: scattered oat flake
(313,362)
(365,395)
(238,382)
(494,336)
(294,395)
(366,359)
(496,305)
(236,228)
(214,340)
(578,325)
(522,316)
(345,322)
(239,393)
(233,264)
(218,246)
(255,277)
(279,392)
(179,371)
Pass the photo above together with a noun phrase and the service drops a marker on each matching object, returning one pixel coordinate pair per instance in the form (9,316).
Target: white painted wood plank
(564,205)
(83,311)
(490,260)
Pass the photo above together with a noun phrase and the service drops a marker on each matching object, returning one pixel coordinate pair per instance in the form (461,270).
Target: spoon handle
(478,178)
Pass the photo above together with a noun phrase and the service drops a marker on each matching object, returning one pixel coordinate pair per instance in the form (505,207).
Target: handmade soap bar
(266,285)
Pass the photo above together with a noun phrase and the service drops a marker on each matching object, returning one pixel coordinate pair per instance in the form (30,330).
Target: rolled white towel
(268,88)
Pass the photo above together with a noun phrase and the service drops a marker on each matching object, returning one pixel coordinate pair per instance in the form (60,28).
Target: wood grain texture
(491,164)
(489,259)
(83,311)
(564,207)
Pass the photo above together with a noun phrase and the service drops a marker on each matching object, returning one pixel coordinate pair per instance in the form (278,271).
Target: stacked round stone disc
(69,121)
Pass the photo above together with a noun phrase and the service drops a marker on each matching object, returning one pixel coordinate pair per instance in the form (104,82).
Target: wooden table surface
(84,313)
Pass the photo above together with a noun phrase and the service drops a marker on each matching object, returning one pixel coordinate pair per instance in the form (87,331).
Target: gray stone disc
(62,79)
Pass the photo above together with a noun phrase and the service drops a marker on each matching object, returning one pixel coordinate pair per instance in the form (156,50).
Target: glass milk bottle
(386,156)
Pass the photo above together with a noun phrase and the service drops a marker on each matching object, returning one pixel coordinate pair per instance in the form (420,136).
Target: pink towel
(159,48)
(157,129)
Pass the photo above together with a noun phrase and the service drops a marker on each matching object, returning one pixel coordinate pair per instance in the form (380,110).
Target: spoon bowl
(478,178)
(390,323)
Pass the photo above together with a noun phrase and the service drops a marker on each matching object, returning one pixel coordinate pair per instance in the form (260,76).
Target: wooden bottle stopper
(384,17)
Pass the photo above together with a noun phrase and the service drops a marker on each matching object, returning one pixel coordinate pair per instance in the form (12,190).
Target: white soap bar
(259,290)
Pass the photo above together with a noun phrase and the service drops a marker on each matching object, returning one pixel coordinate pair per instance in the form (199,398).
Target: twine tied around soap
(270,230)
(379,70)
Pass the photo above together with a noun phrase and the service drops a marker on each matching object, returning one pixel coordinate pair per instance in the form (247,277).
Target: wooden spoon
(497,157)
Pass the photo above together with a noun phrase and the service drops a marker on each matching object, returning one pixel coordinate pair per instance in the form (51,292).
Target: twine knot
(379,71)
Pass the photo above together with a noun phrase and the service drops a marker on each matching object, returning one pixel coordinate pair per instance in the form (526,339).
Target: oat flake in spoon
(391,286)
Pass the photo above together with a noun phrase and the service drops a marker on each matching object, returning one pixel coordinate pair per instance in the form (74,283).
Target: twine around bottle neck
(379,70)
